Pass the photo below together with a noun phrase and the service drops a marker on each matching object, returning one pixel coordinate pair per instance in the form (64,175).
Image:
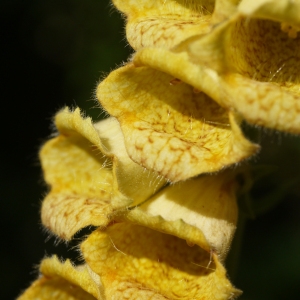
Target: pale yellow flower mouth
(247,63)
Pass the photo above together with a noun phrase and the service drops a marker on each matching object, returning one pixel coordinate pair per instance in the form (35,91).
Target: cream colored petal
(164,23)
(139,263)
(130,179)
(64,282)
(205,209)
(172,129)
(88,181)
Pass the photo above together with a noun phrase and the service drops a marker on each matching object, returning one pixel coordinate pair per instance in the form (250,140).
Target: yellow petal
(139,263)
(64,282)
(88,181)
(81,185)
(171,129)
(164,23)
(265,104)
(202,211)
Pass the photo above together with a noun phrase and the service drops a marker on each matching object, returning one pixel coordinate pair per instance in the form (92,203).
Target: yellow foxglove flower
(135,262)
(128,261)
(248,63)
(90,175)
(172,129)
(169,124)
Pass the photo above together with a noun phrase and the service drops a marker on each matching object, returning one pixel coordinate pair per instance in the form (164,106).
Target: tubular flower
(169,124)
(171,129)
(248,63)
(167,244)
(128,261)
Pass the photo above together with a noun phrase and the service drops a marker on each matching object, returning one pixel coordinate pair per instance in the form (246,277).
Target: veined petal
(203,211)
(64,282)
(172,129)
(139,263)
(164,23)
(130,179)
(90,175)
(245,64)
(256,57)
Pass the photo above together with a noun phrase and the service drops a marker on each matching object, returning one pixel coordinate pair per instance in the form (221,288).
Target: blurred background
(54,53)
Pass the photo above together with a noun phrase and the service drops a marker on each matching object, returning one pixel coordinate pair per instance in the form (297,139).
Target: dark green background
(54,53)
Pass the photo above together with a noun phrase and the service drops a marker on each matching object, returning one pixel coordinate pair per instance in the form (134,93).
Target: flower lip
(170,128)
(126,256)
(164,23)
